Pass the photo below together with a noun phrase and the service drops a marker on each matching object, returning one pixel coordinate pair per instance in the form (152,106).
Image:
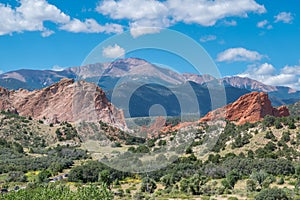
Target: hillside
(196,97)
(253,153)
(227,168)
(295,109)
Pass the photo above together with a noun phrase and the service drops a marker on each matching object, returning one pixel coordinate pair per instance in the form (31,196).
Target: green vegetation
(66,132)
(252,161)
(54,159)
(61,192)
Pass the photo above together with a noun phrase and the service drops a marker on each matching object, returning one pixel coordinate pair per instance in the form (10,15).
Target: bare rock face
(251,108)
(63,101)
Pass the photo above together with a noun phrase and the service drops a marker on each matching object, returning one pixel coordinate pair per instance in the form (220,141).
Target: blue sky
(256,39)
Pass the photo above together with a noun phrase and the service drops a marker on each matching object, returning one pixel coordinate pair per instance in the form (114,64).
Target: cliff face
(63,101)
(251,108)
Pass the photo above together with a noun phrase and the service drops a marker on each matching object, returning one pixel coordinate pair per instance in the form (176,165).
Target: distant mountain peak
(107,75)
(197,78)
(132,61)
(247,83)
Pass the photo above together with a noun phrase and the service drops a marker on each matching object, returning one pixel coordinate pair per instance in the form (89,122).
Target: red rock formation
(251,108)
(63,101)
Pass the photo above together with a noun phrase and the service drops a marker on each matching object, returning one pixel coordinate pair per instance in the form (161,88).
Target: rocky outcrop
(251,108)
(63,101)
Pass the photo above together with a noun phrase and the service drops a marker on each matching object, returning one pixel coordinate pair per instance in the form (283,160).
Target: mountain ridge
(110,73)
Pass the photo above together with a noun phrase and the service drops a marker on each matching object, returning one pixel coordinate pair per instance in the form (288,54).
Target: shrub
(270,135)
(251,185)
(148,185)
(272,194)
(286,137)
(280,181)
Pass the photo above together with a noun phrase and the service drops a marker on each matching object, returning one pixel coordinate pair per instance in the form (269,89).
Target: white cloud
(137,31)
(133,9)
(1,72)
(208,38)
(238,54)
(207,13)
(269,26)
(30,15)
(288,76)
(262,24)
(143,27)
(291,70)
(265,69)
(91,26)
(57,68)
(166,13)
(285,17)
(230,23)
(47,33)
(113,51)
(282,80)
(146,16)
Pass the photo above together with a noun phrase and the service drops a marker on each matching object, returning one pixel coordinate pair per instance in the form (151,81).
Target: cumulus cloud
(265,69)
(230,23)
(30,15)
(166,13)
(114,51)
(208,38)
(132,9)
(291,70)
(288,76)
(238,54)
(285,17)
(207,13)
(143,27)
(264,24)
(137,31)
(47,33)
(90,26)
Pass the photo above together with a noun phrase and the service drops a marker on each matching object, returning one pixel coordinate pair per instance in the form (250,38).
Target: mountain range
(135,85)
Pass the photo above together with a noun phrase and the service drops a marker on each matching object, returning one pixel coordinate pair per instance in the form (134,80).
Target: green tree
(195,184)
(148,185)
(270,135)
(184,185)
(272,194)
(232,177)
(16,176)
(104,177)
(269,120)
(286,136)
(168,180)
(251,185)
(43,176)
(189,150)
(297,171)
(260,177)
